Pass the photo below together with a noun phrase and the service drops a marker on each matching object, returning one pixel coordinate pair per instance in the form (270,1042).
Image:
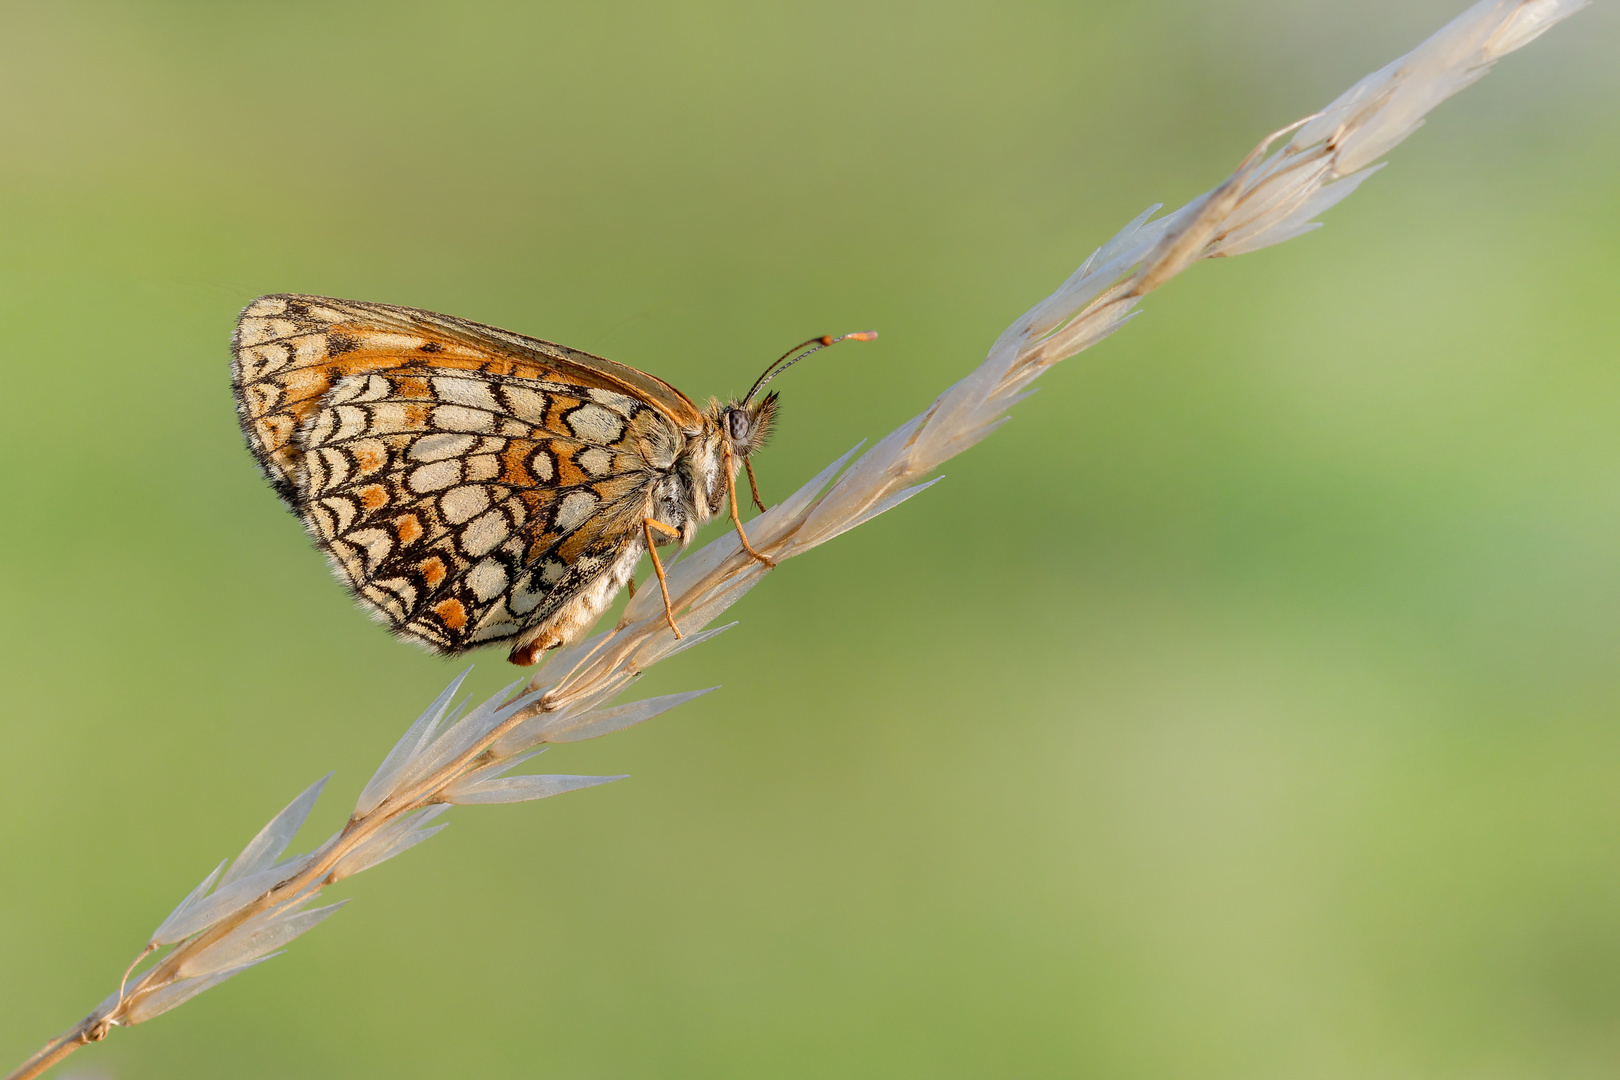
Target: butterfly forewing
(290,349)
(466,482)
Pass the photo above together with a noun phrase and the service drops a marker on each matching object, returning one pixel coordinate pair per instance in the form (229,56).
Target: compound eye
(737,421)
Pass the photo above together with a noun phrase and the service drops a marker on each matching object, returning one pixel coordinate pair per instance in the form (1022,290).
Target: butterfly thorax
(694,491)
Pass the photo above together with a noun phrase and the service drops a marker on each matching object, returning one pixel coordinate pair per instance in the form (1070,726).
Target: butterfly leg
(731,490)
(647,527)
(753,485)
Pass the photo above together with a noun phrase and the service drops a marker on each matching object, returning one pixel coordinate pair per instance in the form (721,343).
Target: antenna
(817,344)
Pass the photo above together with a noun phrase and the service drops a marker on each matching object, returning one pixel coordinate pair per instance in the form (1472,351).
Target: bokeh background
(1248,707)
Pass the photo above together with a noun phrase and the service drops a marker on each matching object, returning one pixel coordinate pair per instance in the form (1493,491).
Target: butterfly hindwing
(465,483)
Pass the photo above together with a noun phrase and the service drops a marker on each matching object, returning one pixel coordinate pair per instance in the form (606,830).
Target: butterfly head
(746,425)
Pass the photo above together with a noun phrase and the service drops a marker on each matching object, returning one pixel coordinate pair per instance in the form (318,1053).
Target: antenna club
(862,335)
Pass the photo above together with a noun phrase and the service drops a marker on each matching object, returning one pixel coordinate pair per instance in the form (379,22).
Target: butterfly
(471,485)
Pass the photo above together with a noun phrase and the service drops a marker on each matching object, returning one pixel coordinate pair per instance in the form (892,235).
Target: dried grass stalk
(244,915)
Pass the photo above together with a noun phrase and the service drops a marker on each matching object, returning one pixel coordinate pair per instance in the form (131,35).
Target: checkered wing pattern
(466,482)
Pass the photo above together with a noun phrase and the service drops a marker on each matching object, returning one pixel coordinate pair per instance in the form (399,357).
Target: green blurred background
(1248,707)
